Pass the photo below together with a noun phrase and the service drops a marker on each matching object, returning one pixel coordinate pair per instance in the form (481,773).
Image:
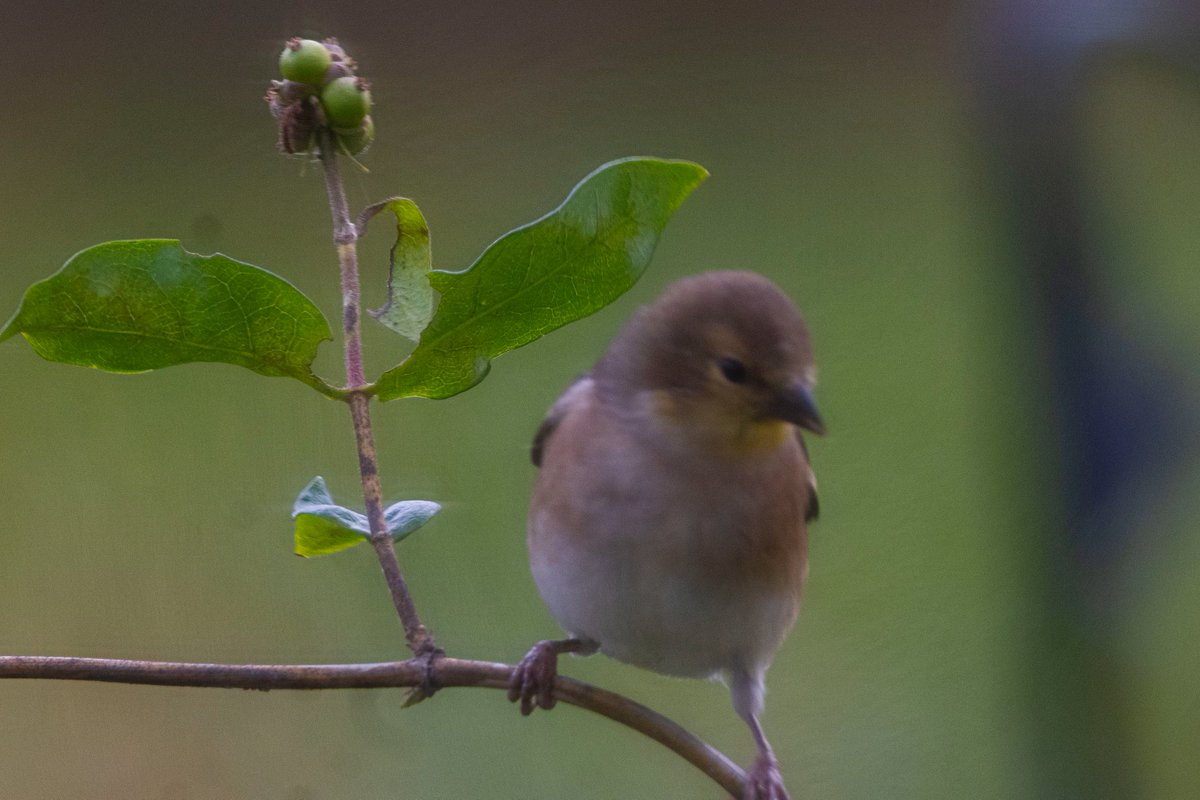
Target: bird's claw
(763,781)
(532,680)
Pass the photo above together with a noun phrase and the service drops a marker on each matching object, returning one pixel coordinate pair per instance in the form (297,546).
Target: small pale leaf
(323,527)
(409,305)
(318,536)
(406,516)
(316,493)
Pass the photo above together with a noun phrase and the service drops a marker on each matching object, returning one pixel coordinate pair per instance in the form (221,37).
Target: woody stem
(345,237)
(414,673)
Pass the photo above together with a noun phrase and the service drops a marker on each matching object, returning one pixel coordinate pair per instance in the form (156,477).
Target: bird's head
(724,354)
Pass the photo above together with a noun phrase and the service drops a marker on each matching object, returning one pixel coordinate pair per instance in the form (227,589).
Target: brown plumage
(667,527)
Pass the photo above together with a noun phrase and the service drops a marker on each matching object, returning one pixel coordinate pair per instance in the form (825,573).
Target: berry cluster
(320,90)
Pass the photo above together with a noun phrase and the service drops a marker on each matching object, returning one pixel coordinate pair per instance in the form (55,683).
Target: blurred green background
(957,641)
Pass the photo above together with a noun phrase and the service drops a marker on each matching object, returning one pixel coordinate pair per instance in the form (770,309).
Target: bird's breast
(680,562)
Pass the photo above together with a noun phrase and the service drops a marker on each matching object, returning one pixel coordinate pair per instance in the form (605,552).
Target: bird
(667,526)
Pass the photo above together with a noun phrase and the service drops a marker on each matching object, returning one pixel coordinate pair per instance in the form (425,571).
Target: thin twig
(444,672)
(345,237)
(419,638)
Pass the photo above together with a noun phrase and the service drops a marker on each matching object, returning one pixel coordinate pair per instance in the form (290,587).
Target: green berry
(346,101)
(356,140)
(304,61)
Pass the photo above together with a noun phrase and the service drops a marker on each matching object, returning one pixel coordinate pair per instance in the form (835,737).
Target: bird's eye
(733,370)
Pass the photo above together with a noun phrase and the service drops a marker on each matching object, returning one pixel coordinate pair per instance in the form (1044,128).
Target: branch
(441,672)
(345,237)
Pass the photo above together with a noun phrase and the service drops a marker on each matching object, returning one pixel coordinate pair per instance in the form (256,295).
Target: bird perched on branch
(667,528)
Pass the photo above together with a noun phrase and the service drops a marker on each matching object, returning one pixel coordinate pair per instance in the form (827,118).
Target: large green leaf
(541,276)
(324,527)
(410,297)
(133,306)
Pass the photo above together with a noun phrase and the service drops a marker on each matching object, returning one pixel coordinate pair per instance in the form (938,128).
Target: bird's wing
(554,416)
(810,480)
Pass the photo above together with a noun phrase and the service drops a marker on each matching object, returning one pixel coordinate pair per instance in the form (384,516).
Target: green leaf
(133,306)
(541,276)
(409,305)
(323,527)
(318,535)
(406,516)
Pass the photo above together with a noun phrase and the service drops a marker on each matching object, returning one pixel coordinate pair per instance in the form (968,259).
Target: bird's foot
(532,680)
(763,781)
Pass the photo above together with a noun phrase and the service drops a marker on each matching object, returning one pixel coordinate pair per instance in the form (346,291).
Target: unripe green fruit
(358,139)
(346,101)
(304,61)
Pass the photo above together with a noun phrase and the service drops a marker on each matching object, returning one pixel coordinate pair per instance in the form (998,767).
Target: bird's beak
(795,404)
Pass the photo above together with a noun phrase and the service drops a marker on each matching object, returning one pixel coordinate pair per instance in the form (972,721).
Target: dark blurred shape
(1123,421)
